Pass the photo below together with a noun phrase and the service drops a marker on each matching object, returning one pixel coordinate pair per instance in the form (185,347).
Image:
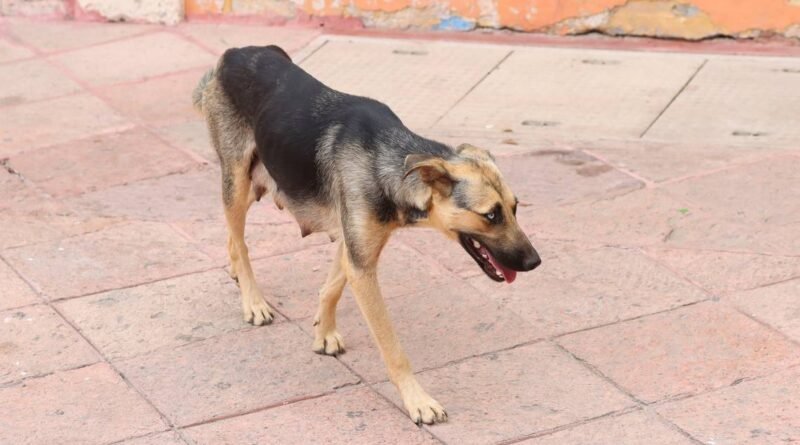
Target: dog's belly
(310,216)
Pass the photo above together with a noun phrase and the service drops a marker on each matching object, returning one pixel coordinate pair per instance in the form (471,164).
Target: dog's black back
(290,113)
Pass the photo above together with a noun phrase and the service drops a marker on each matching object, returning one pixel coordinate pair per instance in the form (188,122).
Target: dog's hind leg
(326,339)
(237,197)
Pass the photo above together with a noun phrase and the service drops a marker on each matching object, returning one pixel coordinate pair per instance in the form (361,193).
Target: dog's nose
(531,262)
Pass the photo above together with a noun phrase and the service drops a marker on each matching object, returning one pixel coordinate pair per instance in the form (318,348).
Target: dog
(347,166)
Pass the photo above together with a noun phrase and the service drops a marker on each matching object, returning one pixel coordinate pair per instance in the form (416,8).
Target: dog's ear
(471,151)
(432,170)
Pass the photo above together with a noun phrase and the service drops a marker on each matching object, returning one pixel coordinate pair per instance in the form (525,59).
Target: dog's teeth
(476,244)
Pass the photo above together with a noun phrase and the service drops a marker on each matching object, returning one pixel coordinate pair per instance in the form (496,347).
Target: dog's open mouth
(491,267)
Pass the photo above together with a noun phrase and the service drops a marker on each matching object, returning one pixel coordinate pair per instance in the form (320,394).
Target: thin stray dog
(347,166)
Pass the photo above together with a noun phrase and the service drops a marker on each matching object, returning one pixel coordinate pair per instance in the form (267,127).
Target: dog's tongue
(509,274)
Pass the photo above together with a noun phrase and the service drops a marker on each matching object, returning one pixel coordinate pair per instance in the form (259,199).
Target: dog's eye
(490,216)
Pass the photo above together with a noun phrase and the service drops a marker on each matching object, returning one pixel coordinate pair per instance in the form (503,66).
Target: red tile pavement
(670,266)
(263,238)
(683,352)
(235,373)
(38,218)
(12,51)
(90,405)
(60,36)
(16,291)
(578,288)
(37,124)
(220,36)
(292,281)
(194,195)
(515,393)
(132,321)
(99,162)
(31,80)
(189,135)
(168,438)
(166,52)
(350,415)
(636,428)
(774,305)
(645,217)
(158,100)
(35,341)
(435,326)
(726,272)
(119,256)
(764,411)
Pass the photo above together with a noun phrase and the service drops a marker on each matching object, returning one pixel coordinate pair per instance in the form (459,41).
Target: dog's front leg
(421,407)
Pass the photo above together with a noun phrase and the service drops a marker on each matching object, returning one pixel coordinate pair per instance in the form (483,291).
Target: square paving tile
(703,229)
(435,327)
(725,272)
(195,195)
(642,217)
(11,51)
(136,320)
(15,190)
(764,411)
(432,244)
(40,219)
(775,305)
(59,36)
(556,177)
(32,80)
(660,161)
(577,288)
(119,256)
(16,292)
(166,53)
(168,438)
(738,194)
(404,74)
(347,416)
(234,373)
(159,100)
(292,281)
(90,405)
(35,340)
(728,210)
(636,428)
(515,393)
(220,36)
(100,162)
(686,351)
(752,100)
(191,135)
(609,86)
(263,239)
(55,121)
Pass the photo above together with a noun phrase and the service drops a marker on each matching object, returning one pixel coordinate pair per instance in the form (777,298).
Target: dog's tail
(197,94)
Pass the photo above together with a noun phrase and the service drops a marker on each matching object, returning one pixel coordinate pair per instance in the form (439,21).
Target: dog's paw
(256,311)
(421,407)
(329,344)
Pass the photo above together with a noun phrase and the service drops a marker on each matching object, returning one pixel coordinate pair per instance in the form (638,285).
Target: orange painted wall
(667,18)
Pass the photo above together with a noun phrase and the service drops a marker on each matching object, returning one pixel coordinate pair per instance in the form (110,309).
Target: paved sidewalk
(661,189)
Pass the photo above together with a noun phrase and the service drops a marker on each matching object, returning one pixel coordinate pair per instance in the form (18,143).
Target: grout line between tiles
(680,91)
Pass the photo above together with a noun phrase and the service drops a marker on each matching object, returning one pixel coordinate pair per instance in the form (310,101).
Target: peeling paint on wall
(686,19)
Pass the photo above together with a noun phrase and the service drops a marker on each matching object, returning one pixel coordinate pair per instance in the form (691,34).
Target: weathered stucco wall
(688,19)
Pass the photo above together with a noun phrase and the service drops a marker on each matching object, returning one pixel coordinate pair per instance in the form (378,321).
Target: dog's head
(468,201)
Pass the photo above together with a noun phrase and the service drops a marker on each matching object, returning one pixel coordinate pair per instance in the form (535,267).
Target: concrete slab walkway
(662,190)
